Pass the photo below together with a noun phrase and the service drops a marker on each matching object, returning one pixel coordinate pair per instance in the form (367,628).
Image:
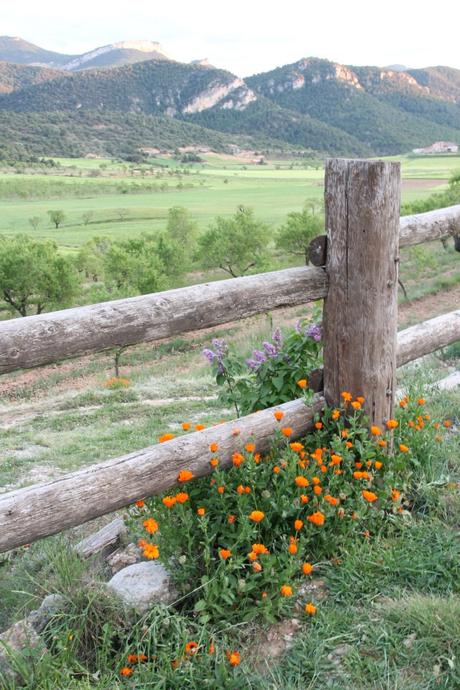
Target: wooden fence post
(360,311)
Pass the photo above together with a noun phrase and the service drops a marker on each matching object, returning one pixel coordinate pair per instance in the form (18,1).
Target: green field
(216,187)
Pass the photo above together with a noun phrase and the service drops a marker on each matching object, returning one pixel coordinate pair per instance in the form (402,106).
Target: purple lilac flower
(278,338)
(270,349)
(220,346)
(259,356)
(252,364)
(209,354)
(314,331)
(298,327)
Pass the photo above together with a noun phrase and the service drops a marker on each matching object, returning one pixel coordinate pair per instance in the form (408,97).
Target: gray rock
(143,584)
(50,606)
(123,557)
(19,642)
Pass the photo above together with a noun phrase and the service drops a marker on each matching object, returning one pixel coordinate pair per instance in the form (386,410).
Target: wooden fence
(356,274)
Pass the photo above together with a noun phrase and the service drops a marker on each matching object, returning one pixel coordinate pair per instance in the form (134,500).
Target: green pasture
(219,186)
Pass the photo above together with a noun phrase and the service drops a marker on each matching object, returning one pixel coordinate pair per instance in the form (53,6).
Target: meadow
(213,188)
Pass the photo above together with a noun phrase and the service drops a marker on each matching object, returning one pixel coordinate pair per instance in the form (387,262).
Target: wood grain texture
(105,538)
(360,310)
(35,340)
(428,336)
(426,227)
(37,511)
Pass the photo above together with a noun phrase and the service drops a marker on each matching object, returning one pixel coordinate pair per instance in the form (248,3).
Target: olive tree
(234,244)
(295,235)
(33,275)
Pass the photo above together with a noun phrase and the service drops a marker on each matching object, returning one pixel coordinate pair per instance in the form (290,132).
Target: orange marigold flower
(184,476)
(256,516)
(276,469)
(126,671)
(403,448)
(298,524)
(225,553)
(335,415)
(317,518)
(336,459)
(182,497)
(360,399)
(378,465)
(191,647)
(395,494)
(169,501)
(358,465)
(316,481)
(260,548)
(250,447)
(186,426)
(292,548)
(296,446)
(317,490)
(278,415)
(318,425)
(307,568)
(403,403)
(376,430)
(356,405)
(231,519)
(150,525)
(220,489)
(252,556)
(421,401)
(199,427)
(201,512)
(257,567)
(344,433)
(369,496)
(240,489)
(132,658)
(140,504)
(348,444)
(257,458)
(151,551)
(392,424)
(346,396)
(286,591)
(287,431)
(264,595)
(301,481)
(165,437)
(332,500)
(213,447)
(310,609)
(382,443)
(211,649)
(234,658)
(237,459)
(323,468)
(304,498)
(214,462)
(302,383)
(447,423)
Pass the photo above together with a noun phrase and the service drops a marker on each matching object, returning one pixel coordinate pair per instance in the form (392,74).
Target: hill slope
(207,96)
(389,110)
(16,77)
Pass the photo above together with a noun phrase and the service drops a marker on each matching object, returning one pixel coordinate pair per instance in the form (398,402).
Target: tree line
(35,276)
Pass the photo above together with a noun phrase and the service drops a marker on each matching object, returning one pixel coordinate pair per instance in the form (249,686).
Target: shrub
(271,375)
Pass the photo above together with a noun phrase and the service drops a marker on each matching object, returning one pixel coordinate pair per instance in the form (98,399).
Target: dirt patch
(412,183)
(427,307)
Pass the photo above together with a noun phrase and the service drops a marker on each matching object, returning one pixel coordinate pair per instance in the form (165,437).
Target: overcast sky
(248,36)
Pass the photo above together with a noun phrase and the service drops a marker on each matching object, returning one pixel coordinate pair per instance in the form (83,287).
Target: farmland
(145,193)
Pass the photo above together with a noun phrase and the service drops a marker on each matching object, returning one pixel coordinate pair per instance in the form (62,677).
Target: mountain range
(313,104)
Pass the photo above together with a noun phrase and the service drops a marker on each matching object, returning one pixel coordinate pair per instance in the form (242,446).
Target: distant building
(439,147)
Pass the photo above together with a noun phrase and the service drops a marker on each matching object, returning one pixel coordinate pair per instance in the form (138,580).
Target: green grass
(220,185)
(390,617)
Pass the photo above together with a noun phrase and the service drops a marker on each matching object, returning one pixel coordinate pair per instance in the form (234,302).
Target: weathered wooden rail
(362,348)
